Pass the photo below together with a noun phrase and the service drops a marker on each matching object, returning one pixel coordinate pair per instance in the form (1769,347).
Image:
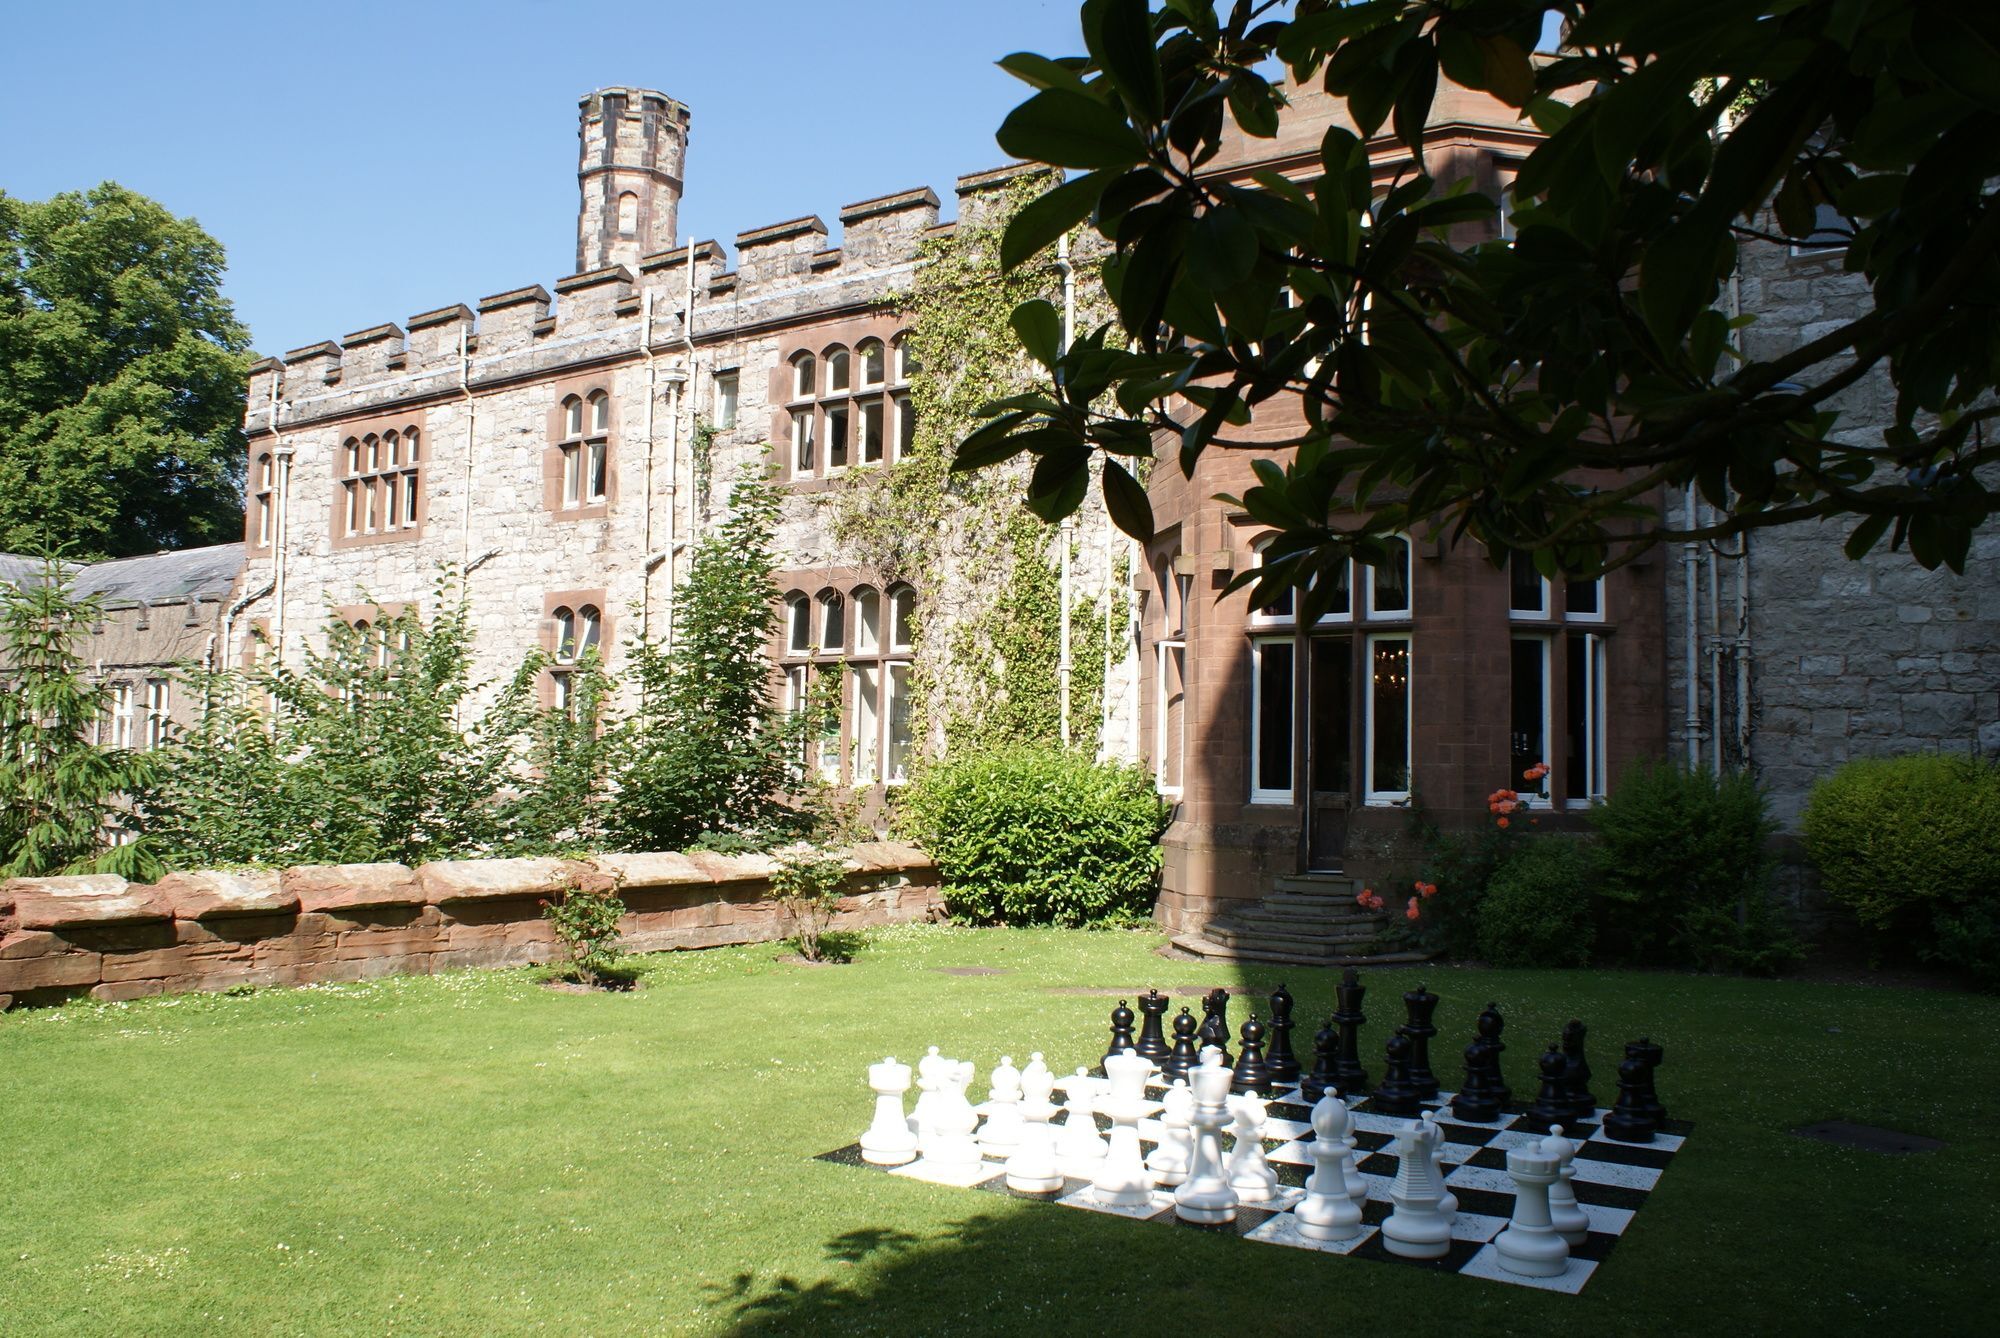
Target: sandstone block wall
(100,936)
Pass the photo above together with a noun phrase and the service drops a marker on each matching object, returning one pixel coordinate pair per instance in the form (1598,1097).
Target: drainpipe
(1714,643)
(681,388)
(1742,569)
(1691,724)
(471,413)
(1068,533)
(281,456)
(229,614)
(646,510)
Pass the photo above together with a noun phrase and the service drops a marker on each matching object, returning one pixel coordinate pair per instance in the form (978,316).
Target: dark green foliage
(1911,845)
(705,751)
(1460,383)
(559,802)
(586,924)
(1039,836)
(1461,865)
(1537,908)
(121,378)
(1686,871)
(58,789)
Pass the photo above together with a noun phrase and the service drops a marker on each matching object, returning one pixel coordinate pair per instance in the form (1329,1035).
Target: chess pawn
(923,1116)
(1421,1005)
(1251,1073)
(1395,1096)
(1552,1103)
(1576,1074)
(952,1144)
(1630,1121)
(1490,1026)
(1215,1023)
(1320,1081)
(1079,1139)
(1472,1102)
(1529,1245)
(1169,1162)
(1205,1197)
(1349,1078)
(1417,1227)
(1121,1032)
(1001,1133)
(1182,1057)
(1250,1173)
(1279,1061)
(1152,1041)
(1121,1179)
(889,1141)
(1032,1169)
(1329,1210)
(1565,1213)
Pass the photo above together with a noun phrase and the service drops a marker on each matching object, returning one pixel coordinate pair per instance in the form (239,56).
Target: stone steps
(1280,953)
(1229,932)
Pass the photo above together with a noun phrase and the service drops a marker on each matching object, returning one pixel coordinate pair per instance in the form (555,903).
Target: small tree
(807,883)
(58,789)
(561,801)
(586,924)
(705,751)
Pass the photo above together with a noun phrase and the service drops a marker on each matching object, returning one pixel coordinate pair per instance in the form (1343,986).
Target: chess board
(1613,1181)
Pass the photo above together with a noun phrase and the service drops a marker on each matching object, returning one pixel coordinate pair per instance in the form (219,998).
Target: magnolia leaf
(1069,129)
(1125,501)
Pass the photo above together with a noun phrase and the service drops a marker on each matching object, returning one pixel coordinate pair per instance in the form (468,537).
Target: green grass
(470,1153)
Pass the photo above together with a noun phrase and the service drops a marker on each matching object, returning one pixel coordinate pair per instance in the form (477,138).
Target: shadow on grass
(908,1281)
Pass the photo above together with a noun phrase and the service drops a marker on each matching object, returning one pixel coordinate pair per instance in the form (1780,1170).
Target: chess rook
(1152,1039)
(889,1141)
(1529,1245)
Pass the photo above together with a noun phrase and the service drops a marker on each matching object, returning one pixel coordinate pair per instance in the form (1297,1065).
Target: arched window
(872,362)
(902,619)
(798,624)
(836,370)
(867,621)
(833,621)
(805,376)
(262,503)
(1389,585)
(628,215)
(565,620)
(907,362)
(589,628)
(600,412)
(573,416)
(585,451)
(379,484)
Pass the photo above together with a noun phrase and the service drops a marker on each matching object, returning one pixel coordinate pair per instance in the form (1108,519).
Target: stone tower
(631,153)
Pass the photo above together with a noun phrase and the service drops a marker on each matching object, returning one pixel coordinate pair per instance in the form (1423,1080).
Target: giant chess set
(1472,1181)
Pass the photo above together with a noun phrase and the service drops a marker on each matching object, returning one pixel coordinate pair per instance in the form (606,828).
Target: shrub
(1537,908)
(807,883)
(1033,835)
(1686,869)
(1911,845)
(586,924)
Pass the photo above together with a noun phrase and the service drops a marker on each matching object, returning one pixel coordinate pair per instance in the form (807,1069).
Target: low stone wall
(101,936)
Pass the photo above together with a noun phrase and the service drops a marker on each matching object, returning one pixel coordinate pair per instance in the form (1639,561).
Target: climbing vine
(702,452)
(986,569)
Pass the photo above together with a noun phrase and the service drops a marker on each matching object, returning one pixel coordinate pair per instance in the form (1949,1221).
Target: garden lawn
(473,1154)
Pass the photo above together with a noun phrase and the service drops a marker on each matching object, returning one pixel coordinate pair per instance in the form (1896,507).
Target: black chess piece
(1396,1096)
(1251,1073)
(1421,1004)
(1282,1064)
(1629,1120)
(1576,1075)
(1215,1023)
(1152,1043)
(1122,1019)
(1552,1103)
(1320,1081)
(1490,1026)
(1349,1078)
(1651,1055)
(1182,1057)
(1474,1101)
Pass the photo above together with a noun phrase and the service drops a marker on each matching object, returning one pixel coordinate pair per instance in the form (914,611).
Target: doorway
(1329,751)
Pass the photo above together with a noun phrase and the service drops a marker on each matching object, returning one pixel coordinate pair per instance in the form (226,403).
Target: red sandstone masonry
(211,930)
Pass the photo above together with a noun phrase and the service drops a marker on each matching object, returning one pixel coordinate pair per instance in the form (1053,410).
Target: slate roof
(198,573)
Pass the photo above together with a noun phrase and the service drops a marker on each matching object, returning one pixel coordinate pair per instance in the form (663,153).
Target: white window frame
(121,714)
(903,415)
(867,631)
(1163,650)
(726,390)
(881,351)
(829,601)
(865,408)
(902,637)
(1515,783)
(1570,615)
(1595,753)
(805,445)
(1259,646)
(903,360)
(1544,583)
(895,690)
(1281,617)
(839,364)
(795,605)
(865,753)
(1409,608)
(846,412)
(1375,797)
(159,693)
(1823,214)
(805,377)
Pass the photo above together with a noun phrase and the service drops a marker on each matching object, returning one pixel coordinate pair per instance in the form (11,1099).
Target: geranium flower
(1411,912)
(1500,822)
(1427,889)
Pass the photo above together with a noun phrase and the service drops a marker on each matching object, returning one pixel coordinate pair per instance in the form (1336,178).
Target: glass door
(1329,750)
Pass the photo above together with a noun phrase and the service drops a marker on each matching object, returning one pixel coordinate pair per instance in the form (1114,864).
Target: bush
(1537,908)
(586,924)
(1686,869)
(1033,835)
(808,883)
(1911,845)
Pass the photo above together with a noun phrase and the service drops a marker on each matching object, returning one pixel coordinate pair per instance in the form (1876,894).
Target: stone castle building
(547,446)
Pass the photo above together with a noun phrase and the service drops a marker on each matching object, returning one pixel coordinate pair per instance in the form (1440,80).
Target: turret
(631,154)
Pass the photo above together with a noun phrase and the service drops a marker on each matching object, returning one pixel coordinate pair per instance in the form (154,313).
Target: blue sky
(362,161)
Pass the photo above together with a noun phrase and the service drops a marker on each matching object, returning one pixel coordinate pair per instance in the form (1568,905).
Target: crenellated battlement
(784,271)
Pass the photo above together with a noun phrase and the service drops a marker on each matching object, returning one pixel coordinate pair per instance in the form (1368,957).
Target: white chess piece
(1121,1179)
(1205,1196)
(929,1070)
(1416,1227)
(1447,1201)
(889,1141)
(1001,1133)
(1329,1211)
(1250,1173)
(1529,1244)
(1032,1169)
(1169,1162)
(1565,1213)
(1079,1140)
(952,1144)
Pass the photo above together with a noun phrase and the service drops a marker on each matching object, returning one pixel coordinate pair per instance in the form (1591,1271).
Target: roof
(191,573)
